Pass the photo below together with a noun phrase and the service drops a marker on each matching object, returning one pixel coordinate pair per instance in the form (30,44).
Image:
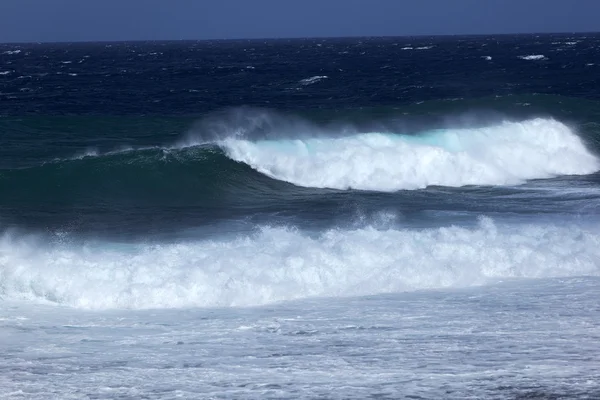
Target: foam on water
(517,340)
(312,80)
(417,48)
(505,154)
(533,57)
(278,264)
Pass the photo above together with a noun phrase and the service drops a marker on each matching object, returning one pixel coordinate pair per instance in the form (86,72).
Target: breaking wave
(505,154)
(277,264)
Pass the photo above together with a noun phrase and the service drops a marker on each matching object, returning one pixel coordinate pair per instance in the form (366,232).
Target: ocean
(352,218)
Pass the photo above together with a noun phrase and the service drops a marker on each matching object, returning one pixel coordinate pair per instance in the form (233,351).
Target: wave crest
(505,154)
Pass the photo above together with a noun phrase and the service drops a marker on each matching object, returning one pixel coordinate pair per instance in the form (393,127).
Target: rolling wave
(509,153)
(505,154)
(199,175)
(277,264)
(230,174)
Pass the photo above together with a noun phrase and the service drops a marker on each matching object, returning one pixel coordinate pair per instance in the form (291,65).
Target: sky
(116,20)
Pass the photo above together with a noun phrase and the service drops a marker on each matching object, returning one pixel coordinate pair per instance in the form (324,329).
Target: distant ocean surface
(307,218)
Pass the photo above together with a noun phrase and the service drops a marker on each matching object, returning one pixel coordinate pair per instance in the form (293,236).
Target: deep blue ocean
(191,175)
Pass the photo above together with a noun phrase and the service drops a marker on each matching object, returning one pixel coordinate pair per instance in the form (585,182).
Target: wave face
(276,264)
(265,169)
(505,154)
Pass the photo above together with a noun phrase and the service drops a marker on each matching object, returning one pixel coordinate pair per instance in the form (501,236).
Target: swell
(240,171)
(200,174)
(152,192)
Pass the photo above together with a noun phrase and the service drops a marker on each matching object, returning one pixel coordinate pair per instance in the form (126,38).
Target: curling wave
(505,154)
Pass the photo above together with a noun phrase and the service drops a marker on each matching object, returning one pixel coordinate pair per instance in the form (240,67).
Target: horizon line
(303,38)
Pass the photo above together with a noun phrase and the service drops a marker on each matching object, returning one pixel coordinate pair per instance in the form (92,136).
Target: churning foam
(278,264)
(533,57)
(505,154)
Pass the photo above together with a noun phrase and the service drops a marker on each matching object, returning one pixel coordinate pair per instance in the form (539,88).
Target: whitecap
(312,80)
(533,57)
(504,154)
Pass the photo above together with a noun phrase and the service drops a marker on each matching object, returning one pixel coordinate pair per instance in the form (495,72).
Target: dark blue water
(155,139)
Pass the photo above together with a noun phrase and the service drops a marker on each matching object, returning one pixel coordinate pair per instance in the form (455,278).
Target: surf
(504,154)
(276,264)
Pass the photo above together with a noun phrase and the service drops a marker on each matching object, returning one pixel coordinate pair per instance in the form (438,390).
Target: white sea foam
(86,153)
(5,72)
(505,154)
(517,340)
(417,48)
(533,57)
(488,58)
(313,79)
(11,52)
(277,264)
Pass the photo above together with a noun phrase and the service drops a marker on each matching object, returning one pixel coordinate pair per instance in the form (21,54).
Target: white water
(533,57)
(278,264)
(535,340)
(312,80)
(505,154)
(417,48)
